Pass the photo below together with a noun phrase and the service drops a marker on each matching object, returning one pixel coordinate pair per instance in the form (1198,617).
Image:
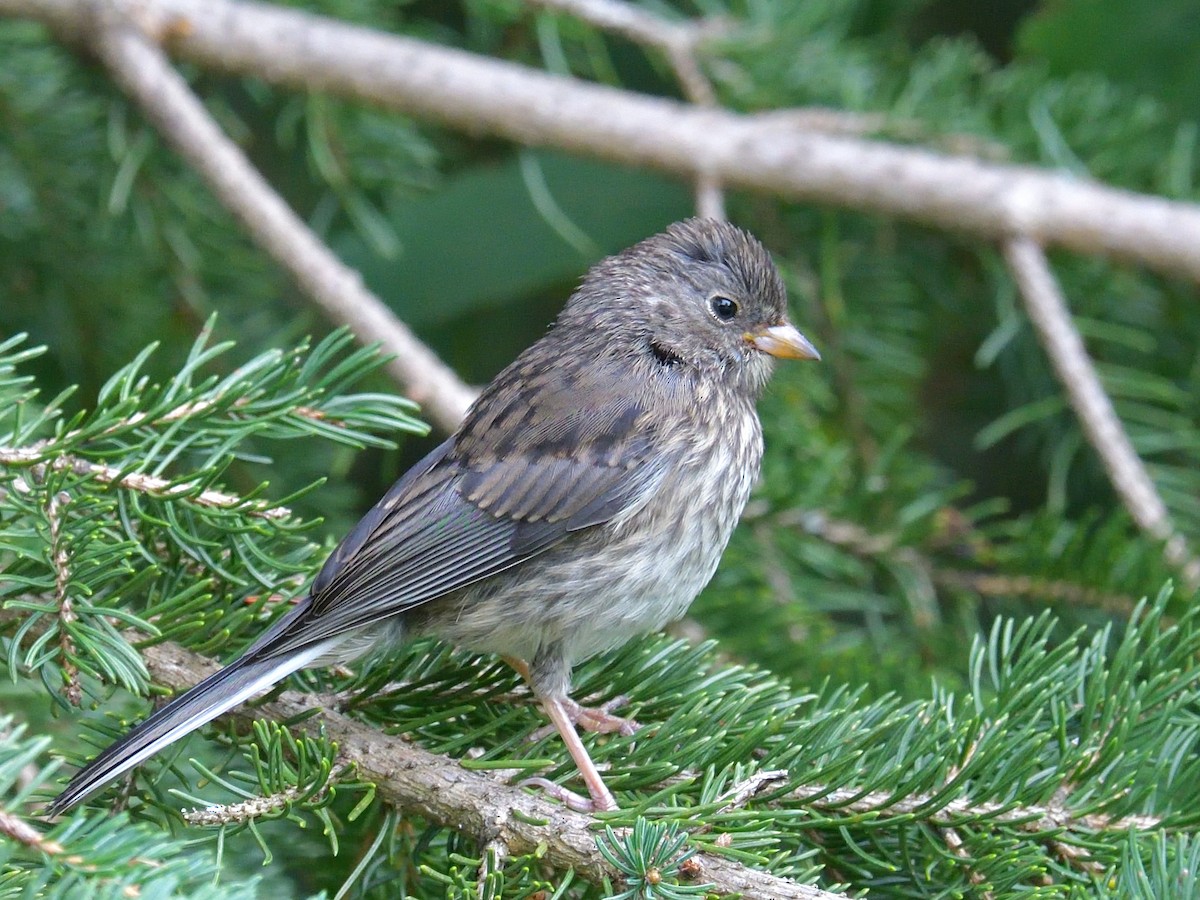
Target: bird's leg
(563,713)
(596,719)
(602,798)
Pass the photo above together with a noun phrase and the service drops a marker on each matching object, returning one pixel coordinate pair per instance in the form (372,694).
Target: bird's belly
(583,604)
(597,590)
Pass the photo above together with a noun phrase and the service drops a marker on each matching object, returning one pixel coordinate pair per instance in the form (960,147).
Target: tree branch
(438,789)
(34,458)
(1046,307)
(766,152)
(145,74)
(924,807)
(679,42)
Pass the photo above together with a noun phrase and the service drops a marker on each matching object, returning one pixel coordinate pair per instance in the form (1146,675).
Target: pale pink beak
(783,341)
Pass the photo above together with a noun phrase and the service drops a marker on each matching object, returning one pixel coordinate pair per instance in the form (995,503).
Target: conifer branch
(1048,310)
(1032,819)
(60,561)
(19,830)
(142,70)
(440,790)
(134,481)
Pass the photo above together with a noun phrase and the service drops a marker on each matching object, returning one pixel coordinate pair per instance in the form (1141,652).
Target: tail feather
(218,693)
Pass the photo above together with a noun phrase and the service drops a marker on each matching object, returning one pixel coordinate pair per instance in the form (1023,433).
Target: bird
(585,499)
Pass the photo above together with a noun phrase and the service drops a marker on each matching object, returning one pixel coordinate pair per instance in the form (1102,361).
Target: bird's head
(702,295)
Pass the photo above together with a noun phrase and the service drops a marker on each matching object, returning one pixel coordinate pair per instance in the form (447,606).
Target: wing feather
(475,507)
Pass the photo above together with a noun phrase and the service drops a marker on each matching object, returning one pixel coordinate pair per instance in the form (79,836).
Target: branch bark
(438,789)
(768,152)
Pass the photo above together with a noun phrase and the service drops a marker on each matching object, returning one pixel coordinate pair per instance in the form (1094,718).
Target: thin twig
(745,791)
(60,561)
(17,829)
(867,545)
(491,859)
(237,813)
(950,834)
(1048,310)
(1056,590)
(956,845)
(144,72)
(1030,818)
(679,42)
(134,481)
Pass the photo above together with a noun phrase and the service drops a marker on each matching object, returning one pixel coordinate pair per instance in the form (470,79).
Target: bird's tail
(221,691)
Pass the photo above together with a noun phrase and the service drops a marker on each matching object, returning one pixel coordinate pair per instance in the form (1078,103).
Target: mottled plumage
(586,498)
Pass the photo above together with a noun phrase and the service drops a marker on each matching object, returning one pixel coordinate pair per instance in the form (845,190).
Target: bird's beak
(783,341)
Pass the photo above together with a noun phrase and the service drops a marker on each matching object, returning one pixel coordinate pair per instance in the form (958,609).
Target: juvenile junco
(585,499)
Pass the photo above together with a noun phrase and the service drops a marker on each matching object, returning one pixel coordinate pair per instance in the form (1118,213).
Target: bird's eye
(723,308)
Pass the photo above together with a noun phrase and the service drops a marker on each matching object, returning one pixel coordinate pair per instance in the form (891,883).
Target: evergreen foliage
(886,701)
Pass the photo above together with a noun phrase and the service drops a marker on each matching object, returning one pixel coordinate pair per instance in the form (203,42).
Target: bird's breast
(662,554)
(632,575)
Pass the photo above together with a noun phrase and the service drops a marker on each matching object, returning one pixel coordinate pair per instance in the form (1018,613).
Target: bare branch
(763,153)
(144,72)
(679,42)
(1048,311)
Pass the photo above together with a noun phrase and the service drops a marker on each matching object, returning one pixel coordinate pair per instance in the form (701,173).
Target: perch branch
(438,789)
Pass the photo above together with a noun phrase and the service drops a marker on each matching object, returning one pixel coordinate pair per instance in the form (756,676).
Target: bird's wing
(510,485)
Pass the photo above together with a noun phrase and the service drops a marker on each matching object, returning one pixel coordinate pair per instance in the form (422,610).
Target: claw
(563,795)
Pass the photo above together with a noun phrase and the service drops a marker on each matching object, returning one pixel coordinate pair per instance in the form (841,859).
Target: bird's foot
(600,719)
(558,709)
(596,719)
(569,798)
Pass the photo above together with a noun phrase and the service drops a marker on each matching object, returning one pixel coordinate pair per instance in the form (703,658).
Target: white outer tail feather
(89,780)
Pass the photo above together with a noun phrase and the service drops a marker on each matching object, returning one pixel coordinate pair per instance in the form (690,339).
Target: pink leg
(563,713)
(602,798)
